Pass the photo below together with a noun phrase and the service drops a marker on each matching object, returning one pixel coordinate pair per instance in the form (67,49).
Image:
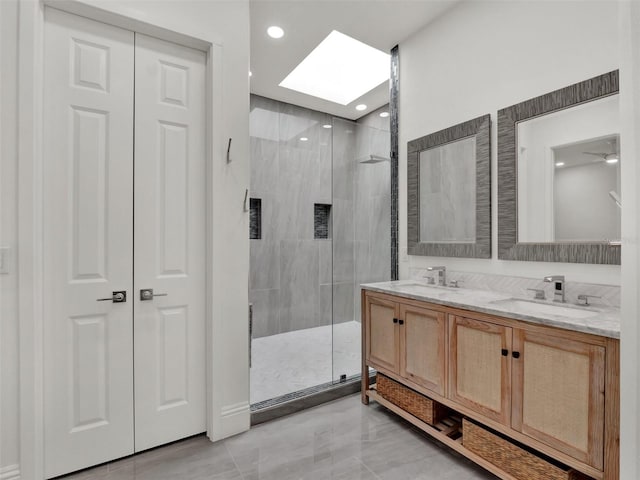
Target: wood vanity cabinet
(559,393)
(554,390)
(423,347)
(406,340)
(548,387)
(382,342)
(480,367)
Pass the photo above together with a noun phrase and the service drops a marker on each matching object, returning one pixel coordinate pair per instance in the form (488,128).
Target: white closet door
(88,193)
(169,237)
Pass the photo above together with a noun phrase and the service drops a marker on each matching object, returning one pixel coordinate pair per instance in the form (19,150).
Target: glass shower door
(290,268)
(361,224)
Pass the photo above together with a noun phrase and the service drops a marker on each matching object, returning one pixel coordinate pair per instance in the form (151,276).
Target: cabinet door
(558,389)
(382,339)
(422,347)
(480,369)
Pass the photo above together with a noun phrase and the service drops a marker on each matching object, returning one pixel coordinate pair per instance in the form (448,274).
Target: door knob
(116,297)
(147,294)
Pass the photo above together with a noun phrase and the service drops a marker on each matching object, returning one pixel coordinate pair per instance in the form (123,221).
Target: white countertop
(595,319)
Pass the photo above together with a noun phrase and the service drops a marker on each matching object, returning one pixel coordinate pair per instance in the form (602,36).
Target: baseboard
(10,472)
(234,419)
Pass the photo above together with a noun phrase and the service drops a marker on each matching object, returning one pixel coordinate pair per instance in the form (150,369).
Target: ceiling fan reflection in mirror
(612,156)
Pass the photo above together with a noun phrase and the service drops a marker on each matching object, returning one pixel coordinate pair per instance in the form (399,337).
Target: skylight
(340,69)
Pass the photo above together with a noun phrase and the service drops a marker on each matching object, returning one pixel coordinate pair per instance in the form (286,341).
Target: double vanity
(539,377)
(524,384)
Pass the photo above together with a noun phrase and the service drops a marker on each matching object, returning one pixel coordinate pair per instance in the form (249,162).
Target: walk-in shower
(320,226)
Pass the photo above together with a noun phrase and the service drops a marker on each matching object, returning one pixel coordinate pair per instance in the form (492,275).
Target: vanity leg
(365,387)
(364,382)
(612,411)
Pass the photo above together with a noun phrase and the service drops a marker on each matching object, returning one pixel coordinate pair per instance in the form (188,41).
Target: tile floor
(293,361)
(340,440)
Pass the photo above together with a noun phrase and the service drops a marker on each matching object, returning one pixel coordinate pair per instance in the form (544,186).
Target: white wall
(9,452)
(224,23)
(583,209)
(630,334)
(485,55)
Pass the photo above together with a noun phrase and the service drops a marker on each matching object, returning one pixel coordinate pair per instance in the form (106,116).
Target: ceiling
(574,155)
(379,23)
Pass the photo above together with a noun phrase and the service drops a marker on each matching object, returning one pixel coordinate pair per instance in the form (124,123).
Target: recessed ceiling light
(303,139)
(326,125)
(275,32)
(611,158)
(250,73)
(559,164)
(340,69)
(361,107)
(384,114)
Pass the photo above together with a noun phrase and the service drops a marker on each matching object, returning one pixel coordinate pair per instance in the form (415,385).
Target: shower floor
(293,361)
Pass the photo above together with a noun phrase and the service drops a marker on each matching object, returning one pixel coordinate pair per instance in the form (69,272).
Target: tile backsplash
(517,286)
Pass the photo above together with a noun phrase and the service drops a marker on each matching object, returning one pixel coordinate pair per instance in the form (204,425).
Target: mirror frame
(480,128)
(508,118)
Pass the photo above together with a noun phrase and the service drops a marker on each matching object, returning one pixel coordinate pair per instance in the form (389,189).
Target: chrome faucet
(558,291)
(442,274)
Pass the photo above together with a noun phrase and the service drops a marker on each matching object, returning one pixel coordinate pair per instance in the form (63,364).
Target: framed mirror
(559,175)
(449,191)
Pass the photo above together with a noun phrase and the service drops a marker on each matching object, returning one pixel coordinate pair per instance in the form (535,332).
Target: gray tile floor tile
(342,440)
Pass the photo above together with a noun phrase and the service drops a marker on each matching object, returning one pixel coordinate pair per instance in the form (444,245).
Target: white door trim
(30,213)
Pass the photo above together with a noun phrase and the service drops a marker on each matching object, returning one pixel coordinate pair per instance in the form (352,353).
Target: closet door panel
(88,242)
(169,235)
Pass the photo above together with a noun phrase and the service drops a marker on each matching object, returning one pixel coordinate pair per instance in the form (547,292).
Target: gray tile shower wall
(298,281)
(372,200)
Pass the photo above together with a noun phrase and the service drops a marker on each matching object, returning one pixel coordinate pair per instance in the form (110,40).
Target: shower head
(372,159)
(616,198)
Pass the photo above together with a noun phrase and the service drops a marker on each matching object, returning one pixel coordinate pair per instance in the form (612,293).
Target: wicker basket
(512,459)
(413,402)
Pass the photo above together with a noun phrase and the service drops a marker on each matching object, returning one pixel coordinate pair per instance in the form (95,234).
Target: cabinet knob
(401,322)
(515,354)
(505,352)
(395,320)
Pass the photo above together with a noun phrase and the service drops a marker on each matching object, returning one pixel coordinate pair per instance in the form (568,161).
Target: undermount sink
(424,285)
(430,290)
(532,307)
(435,289)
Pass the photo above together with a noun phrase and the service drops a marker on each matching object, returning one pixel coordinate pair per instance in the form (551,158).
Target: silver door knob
(147,294)
(116,297)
